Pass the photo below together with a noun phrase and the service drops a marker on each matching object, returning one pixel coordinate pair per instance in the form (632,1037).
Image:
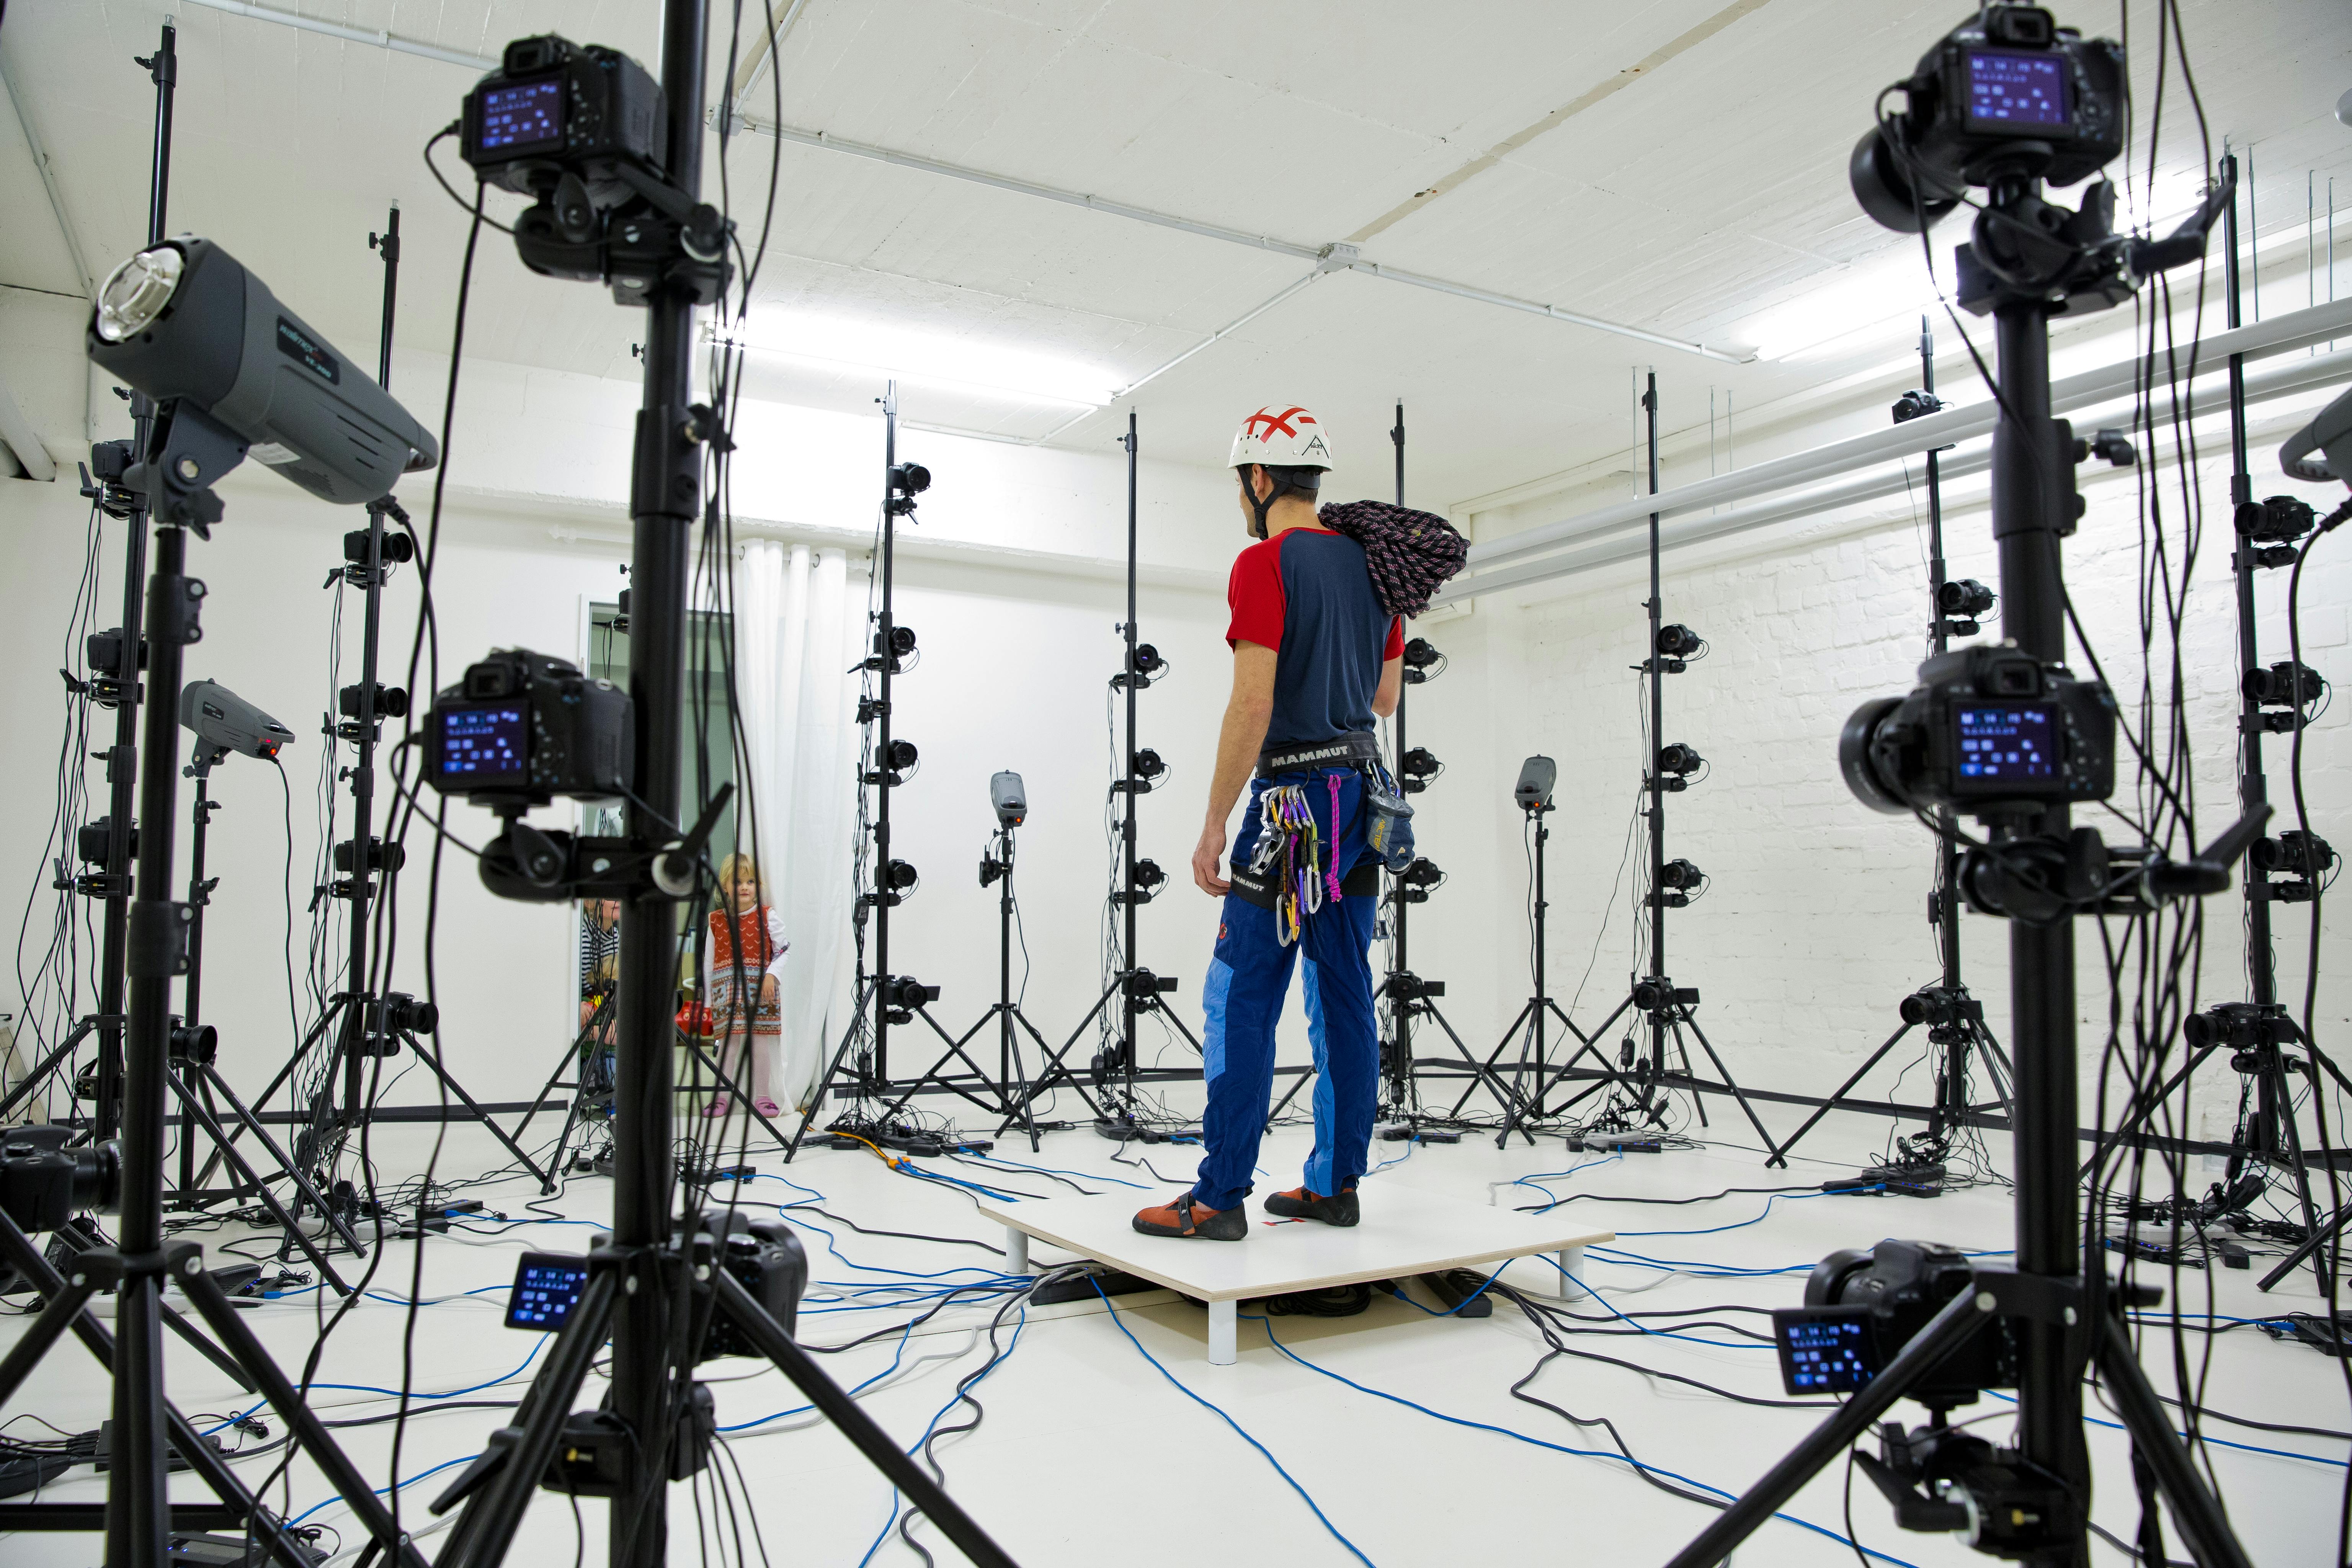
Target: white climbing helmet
(1281,435)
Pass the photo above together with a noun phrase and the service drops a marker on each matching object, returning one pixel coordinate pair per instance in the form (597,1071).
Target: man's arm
(1385,701)
(1247,712)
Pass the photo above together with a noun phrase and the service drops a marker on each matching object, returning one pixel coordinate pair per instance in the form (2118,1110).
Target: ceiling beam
(18,433)
(380,38)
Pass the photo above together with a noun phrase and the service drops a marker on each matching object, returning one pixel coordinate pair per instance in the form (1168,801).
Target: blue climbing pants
(1243,998)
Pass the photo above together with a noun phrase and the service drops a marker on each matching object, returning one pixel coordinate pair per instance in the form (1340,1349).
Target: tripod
(117,687)
(1135,988)
(1954,1020)
(1531,1027)
(867,1075)
(653,1288)
(1664,1006)
(2061,1317)
(194,1081)
(1005,1012)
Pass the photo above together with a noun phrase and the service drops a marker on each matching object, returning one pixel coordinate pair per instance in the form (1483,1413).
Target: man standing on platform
(1316,661)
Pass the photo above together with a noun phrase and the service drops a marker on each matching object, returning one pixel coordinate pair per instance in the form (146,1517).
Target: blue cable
(380,1491)
(1122,1322)
(1011,1345)
(1540,1443)
(452,1394)
(1538,1176)
(896,1357)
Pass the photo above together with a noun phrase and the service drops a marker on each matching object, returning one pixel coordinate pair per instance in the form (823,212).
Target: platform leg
(1225,1334)
(1016,1251)
(1572,1263)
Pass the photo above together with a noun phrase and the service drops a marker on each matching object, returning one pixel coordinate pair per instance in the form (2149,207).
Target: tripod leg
(1523,1104)
(279,1081)
(2322,1265)
(1996,1068)
(736,1089)
(1724,1073)
(2333,1230)
(1287,1096)
(850,1419)
(432,1059)
(849,1037)
(268,1199)
(1569,1023)
(310,1434)
(1779,1155)
(1698,1101)
(1052,1070)
(1021,1075)
(302,1184)
(2195,1510)
(2137,1119)
(64,1308)
(500,1492)
(41,1070)
(1961,1318)
(1483,1072)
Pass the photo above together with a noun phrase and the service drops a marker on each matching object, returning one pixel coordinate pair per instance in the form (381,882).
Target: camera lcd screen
(547,1286)
(2003,745)
(1825,1350)
(484,744)
(2014,88)
(525,118)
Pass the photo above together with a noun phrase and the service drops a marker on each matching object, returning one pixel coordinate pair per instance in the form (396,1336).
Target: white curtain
(796,640)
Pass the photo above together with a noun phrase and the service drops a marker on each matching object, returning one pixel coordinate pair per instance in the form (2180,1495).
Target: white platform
(1405,1232)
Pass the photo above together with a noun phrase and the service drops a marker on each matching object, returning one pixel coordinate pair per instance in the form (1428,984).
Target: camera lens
(1855,761)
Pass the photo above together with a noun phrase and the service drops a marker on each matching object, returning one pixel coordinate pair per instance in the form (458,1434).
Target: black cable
(1709,1198)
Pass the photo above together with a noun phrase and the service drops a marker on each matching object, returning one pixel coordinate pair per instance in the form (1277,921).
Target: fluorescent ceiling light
(960,364)
(1866,294)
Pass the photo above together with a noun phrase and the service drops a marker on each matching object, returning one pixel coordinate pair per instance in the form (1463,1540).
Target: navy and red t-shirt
(1305,593)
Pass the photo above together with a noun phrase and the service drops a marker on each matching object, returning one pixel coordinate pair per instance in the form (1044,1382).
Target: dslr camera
(1989,730)
(584,131)
(522,728)
(2009,87)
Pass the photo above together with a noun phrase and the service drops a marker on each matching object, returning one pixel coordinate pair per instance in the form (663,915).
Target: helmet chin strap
(1274,492)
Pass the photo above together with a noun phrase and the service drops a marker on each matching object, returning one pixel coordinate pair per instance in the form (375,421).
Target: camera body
(522,728)
(767,1260)
(43,1183)
(1990,731)
(1862,1307)
(2008,88)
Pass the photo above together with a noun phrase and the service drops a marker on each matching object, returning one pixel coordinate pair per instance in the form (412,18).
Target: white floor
(1089,1456)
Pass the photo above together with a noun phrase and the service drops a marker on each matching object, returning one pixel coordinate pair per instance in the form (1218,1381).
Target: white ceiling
(1706,188)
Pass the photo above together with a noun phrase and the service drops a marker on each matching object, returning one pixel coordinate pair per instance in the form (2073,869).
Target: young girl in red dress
(745,998)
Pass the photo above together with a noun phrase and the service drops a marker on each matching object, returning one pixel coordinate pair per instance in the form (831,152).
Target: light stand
(997,867)
(366,1022)
(1531,1027)
(1666,1006)
(118,688)
(2063,1318)
(655,1287)
(591,1089)
(862,1061)
(194,1048)
(1953,1019)
(1137,990)
(1408,994)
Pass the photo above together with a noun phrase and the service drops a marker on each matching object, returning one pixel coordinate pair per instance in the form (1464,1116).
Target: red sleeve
(1254,595)
(1395,645)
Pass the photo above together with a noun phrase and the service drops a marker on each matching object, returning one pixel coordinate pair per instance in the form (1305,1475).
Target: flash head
(189,325)
(2329,435)
(223,722)
(1010,801)
(1536,777)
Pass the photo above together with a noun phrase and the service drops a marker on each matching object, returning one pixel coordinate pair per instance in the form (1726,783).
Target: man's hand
(1206,855)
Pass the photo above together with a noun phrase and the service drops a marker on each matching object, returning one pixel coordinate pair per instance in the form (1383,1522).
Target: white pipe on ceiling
(2298,329)
(17,436)
(2283,378)
(380,39)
